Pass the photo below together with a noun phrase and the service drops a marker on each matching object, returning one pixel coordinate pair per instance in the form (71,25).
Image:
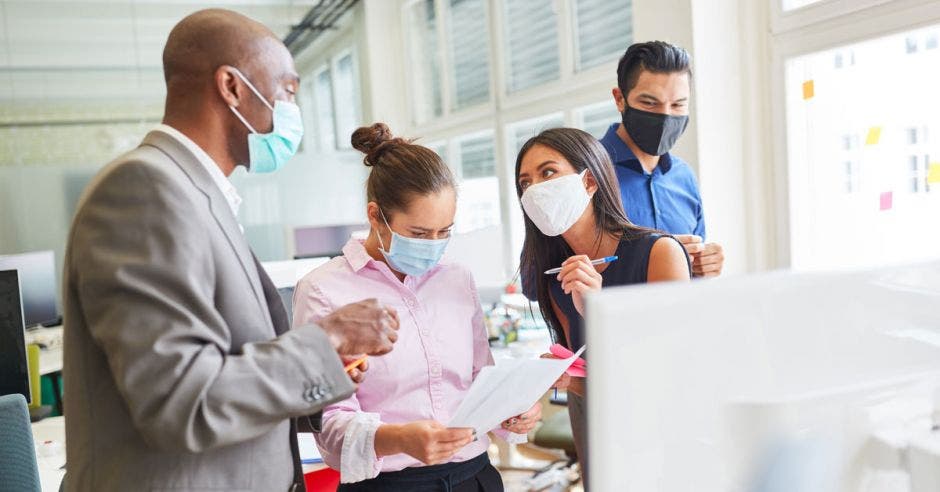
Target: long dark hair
(541,252)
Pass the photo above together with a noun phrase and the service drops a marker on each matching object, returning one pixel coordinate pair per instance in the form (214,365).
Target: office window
(323,99)
(603,30)
(597,118)
(524,130)
(852,178)
(478,203)
(477,159)
(844,59)
(886,210)
(425,67)
(915,178)
(931,42)
(347,100)
(910,45)
(469,52)
(531,34)
(337,103)
(926,174)
(439,148)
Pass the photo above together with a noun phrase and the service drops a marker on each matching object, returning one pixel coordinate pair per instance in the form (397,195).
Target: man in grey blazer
(181,370)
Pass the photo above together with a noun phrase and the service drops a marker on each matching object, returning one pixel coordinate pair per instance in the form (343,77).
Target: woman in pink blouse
(391,434)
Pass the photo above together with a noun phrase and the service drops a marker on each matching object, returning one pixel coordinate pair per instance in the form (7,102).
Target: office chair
(18,465)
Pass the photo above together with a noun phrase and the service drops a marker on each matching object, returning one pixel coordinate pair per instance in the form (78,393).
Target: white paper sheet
(309,453)
(507,390)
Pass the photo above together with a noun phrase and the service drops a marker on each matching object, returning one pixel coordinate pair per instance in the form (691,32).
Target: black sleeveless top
(630,268)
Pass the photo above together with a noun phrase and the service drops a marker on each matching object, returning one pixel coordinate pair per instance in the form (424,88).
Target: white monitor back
(726,384)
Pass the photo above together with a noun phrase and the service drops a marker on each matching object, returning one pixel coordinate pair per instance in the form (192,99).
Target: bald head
(204,40)
(207,60)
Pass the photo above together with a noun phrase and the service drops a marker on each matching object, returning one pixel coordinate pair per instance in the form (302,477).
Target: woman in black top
(573,214)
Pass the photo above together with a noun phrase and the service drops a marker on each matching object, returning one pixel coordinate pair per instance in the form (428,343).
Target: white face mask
(555,205)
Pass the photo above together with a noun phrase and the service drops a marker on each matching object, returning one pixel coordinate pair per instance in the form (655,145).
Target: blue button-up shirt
(666,199)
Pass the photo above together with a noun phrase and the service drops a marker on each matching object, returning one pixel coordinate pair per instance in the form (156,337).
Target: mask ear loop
(256,92)
(390,231)
(253,89)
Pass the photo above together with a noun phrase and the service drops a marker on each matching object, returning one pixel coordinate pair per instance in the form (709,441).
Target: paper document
(309,453)
(507,390)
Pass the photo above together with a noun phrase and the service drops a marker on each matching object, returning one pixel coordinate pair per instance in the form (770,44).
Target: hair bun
(370,140)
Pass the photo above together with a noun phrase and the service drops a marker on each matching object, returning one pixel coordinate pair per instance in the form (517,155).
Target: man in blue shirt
(659,189)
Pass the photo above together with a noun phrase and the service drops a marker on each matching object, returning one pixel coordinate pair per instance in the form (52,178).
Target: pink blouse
(442,345)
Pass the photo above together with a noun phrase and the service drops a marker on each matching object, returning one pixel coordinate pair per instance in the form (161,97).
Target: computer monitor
(285,275)
(38,283)
(761,383)
(14,370)
(316,241)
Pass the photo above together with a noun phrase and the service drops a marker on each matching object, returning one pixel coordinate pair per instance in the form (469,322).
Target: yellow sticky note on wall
(874,135)
(933,175)
(809,89)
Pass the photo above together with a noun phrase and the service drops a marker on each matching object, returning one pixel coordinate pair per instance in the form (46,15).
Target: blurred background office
(815,124)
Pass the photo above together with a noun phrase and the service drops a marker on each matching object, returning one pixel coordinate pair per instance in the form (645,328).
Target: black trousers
(476,475)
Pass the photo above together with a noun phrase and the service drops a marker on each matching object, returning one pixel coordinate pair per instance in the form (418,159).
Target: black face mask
(653,133)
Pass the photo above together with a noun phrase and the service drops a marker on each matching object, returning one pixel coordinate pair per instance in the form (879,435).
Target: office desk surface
(50,357)
(49,438)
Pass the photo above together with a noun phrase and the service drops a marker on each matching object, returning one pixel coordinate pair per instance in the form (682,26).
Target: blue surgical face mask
(412,256)
(268,152)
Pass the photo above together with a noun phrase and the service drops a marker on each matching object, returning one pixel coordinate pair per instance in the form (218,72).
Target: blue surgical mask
(268,152)
(412,256)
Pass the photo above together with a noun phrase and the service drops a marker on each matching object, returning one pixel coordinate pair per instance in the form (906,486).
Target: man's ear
(619,99)
(228,86)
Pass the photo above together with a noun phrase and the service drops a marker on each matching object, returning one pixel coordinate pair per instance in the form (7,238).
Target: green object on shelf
(48,392)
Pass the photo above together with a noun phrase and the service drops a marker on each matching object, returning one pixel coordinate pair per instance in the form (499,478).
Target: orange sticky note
(809,89)
(874,136)
(933,175)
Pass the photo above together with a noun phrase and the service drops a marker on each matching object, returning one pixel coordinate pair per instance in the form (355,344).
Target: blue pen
(599,261)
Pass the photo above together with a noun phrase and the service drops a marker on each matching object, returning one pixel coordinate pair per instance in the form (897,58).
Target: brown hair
(401,169)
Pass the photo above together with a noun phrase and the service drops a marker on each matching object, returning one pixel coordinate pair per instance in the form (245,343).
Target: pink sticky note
(578,367)
(887,200)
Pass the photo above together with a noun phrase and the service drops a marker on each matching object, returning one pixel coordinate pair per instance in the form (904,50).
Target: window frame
(826,25)
(573,90)
(343,144)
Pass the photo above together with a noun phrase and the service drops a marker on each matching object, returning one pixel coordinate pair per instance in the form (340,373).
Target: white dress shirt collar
(218,177)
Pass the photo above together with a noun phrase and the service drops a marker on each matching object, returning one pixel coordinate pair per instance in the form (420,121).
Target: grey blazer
(176,376)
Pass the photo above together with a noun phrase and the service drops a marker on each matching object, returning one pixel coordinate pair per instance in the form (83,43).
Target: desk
(50,339)
(50,361)
(49,438)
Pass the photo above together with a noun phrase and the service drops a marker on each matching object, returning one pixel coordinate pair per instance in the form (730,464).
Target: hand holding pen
(578,276)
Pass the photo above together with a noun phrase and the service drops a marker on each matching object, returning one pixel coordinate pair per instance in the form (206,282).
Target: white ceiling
(79,50)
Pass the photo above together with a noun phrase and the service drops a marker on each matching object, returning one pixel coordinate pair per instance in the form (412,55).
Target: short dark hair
(401,170)
(652,56)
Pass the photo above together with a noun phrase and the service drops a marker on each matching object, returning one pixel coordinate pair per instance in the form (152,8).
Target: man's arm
(145,278)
